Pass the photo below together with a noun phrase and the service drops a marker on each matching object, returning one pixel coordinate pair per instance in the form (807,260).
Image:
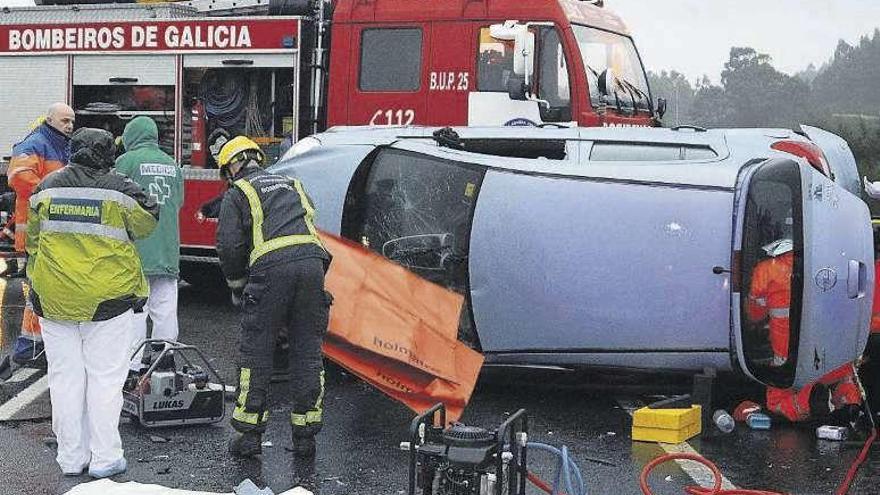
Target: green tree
(758,94)
(711,106)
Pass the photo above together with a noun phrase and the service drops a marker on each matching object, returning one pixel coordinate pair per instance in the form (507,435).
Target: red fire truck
(272,71)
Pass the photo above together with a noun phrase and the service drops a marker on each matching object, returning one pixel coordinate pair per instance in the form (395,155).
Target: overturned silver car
(620,248)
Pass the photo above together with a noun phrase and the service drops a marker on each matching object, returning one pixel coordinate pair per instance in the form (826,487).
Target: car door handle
(856,280)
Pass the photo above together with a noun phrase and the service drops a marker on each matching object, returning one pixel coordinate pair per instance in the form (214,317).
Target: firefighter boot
(246,444)
(304,462)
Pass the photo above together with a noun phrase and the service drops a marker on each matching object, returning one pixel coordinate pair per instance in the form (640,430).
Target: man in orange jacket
(770,295)
(42,152)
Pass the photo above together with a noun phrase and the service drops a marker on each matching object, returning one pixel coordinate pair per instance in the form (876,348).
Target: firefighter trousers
(289,295)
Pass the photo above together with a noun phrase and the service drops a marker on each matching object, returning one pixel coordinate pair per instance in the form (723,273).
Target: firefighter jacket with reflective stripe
(770,296)
(265,219)
(42,152)
(83,262)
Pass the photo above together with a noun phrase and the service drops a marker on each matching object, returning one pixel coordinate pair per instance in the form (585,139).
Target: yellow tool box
(666,425)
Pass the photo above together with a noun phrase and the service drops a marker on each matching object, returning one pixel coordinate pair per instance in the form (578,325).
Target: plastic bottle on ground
(758,421)
(724,421)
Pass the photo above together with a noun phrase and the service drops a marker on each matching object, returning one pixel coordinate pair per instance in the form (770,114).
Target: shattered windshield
(604,50)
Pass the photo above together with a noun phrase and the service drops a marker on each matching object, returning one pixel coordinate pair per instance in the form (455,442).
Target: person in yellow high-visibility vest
(274,263)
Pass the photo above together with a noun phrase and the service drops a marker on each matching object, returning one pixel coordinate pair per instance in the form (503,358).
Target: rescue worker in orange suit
(770,295)
(43,151)
(836,391)
(274,263)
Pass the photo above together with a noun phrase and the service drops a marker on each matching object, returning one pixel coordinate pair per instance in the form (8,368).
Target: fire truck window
(604,50)
(772,267)
(552,81)
(494,62)
(391,59)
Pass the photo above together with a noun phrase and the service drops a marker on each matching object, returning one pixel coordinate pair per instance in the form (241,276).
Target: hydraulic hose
(568,474)
(695,490)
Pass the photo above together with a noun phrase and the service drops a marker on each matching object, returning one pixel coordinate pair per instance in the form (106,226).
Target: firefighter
(770,295)
(87,282)
(274,263)
(42,152)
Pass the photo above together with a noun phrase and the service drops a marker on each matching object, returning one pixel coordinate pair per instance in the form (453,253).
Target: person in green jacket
(87,283)
(161,178)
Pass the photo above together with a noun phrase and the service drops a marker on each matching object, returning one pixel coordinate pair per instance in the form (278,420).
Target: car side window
(649,152)
(391,59)
(621,152)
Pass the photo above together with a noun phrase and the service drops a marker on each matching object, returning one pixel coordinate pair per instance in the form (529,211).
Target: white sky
(695,36)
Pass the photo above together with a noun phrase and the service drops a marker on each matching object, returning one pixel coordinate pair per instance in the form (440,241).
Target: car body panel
(579,272)
(838,277)
(839,156)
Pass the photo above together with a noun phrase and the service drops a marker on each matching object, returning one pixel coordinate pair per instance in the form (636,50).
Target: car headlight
(304,145)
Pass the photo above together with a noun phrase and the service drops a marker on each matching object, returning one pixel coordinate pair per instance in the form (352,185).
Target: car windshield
(604,50)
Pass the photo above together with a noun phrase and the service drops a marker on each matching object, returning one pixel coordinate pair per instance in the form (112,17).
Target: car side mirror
(661,107)
(517,89)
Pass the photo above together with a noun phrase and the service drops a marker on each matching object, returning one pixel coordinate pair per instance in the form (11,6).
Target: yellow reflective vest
(83,263)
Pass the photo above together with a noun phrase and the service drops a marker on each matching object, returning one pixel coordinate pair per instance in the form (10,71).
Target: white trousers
(162,309)
(88,363)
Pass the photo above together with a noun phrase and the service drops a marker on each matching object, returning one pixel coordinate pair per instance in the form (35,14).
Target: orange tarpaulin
(397,331)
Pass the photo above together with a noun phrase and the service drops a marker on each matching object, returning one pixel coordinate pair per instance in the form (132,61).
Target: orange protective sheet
(397,331)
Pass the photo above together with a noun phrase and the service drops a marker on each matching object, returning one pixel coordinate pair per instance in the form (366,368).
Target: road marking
(12,407)
(22,374)
(697,472)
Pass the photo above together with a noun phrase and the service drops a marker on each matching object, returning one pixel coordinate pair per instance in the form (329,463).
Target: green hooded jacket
(162,179)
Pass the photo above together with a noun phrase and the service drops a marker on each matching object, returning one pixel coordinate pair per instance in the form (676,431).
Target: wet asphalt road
(358,449)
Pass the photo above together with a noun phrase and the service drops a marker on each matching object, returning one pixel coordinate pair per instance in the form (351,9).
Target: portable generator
(466,460)
(179,387)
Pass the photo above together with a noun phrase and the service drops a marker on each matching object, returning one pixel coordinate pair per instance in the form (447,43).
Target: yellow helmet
(235,146)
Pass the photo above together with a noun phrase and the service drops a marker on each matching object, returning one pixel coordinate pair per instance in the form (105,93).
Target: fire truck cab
(484,62)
